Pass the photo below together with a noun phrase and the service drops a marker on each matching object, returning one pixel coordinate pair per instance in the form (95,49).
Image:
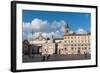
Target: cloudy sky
(51,23)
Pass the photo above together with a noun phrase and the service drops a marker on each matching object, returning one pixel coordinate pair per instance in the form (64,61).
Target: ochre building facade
(70,43)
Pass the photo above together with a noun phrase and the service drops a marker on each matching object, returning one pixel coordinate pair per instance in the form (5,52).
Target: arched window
(72,48)
(85,48)
(65,48)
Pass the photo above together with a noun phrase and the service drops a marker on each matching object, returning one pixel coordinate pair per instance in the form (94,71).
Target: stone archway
(35,49)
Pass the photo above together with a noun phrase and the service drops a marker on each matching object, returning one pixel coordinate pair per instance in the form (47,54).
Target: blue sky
(75,20)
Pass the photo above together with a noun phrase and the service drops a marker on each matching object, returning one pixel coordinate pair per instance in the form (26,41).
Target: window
(65,48)
(72,48)
(71,41)
(71,44)
(85,48)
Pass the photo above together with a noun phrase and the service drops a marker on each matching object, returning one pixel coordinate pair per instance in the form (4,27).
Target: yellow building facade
(76,43)
(70,43)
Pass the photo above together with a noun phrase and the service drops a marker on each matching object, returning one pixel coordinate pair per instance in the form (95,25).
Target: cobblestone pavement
(38,58)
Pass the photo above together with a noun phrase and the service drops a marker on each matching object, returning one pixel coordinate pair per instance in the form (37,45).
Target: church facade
(70,43)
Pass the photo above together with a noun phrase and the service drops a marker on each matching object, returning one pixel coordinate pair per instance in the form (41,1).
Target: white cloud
(43,26)
(58,34)
(63,22)
(45,34)
(81,31)
(36,34)
(71,32)
(39,25)
(26,26)
(55,24)
(47,29)
(29,36)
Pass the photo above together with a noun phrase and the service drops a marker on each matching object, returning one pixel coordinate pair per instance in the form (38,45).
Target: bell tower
(66,29)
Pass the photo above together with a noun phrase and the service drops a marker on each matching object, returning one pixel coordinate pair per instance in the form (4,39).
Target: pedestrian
(43,57)
(48,56)
(85,54)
